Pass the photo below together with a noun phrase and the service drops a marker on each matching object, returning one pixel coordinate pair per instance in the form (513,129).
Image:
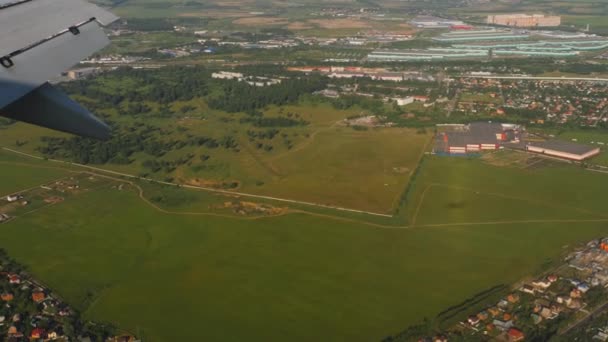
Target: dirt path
(415,216)
(226,192)
(397,198)
(269,168)
(303,145)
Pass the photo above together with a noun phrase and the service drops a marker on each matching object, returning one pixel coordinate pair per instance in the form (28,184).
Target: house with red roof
(37,333)
(38,296)
(14,279)
(515,335)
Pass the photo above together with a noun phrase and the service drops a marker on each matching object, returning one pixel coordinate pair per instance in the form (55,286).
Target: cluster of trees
(278,121)
(242,97)
(149,24)
(583,68)
(124,143)
(525,114)
(375,106)
(167,166)
(163,86)
(265,134)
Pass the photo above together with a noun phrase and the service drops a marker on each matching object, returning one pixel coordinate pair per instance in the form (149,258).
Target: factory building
(479,35)
(475,137)
(563,149)
(423,21)
(524,20)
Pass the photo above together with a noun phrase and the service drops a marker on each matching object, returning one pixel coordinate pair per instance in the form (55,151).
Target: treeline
(374,105)
(525,114)
(583,68)
(428,327)
(166,165)
(242,97)
(266,134)
(126,142)
(164,86)
(279,121)
(149,24)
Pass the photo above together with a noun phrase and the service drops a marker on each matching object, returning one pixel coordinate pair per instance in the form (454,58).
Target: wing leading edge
(43,39)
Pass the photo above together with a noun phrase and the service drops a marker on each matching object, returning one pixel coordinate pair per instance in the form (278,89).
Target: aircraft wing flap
(37,65)
(48,107)
(28,21)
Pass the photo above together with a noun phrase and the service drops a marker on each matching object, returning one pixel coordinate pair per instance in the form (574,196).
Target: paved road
(540,78)
(594,313)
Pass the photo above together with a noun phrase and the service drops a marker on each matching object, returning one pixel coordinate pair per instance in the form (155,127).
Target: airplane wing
(39,40)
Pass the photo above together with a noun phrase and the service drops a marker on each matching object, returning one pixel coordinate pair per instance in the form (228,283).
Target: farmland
(233,275)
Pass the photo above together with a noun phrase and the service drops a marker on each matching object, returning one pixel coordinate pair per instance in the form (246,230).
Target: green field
(371,172)
(302,276)
(25,175)
(472,187)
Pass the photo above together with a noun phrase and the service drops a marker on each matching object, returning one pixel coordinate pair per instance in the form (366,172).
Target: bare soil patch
(214,14)
(299,25)
(340,23)
(260,21)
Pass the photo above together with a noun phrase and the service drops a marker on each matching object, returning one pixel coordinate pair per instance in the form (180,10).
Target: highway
(538,78)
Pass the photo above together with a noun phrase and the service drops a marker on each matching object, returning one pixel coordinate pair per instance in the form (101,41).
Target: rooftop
(475,133)
(564,146)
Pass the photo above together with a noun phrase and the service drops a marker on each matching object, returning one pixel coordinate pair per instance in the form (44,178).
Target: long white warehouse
(563,149)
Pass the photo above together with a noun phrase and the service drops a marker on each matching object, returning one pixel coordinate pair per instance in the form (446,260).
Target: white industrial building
(563,149)
(227,75)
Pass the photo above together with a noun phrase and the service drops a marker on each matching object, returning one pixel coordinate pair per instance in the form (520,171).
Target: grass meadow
(305,275)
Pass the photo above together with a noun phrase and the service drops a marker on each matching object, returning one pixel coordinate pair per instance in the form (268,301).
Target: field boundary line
(420,203)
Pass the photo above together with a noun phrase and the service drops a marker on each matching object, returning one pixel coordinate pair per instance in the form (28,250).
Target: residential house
(38,296)
(542,284)
(515,335)
(601,336)
(482,315)
(576,293)
(503,304)
(528,289)
(502,325)
(37,333)
(494,311)
(513,298)
(12,330)
(583,287)
(12,198)
(574,303)
(546,313)
(14,279)
(440,338)
(7,297)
